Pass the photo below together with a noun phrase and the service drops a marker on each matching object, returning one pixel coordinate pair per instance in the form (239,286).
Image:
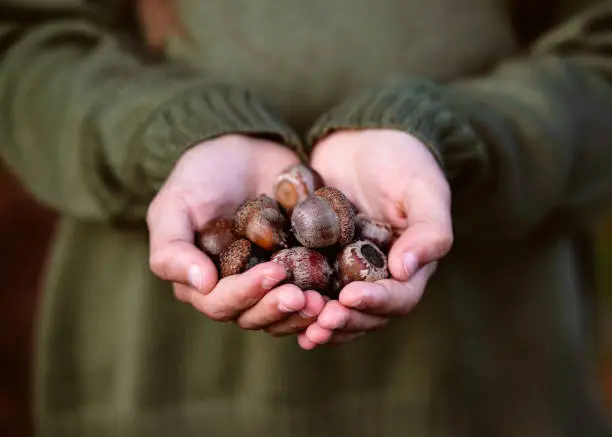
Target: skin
(414,197)
(210,180)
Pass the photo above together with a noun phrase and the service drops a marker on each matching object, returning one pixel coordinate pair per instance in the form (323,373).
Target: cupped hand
(211,180)
(392,176)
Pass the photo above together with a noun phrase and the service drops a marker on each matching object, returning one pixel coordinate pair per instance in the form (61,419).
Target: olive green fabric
(99,126)
(527,139)
(497,345)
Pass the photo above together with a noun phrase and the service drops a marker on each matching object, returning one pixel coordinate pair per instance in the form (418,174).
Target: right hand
(211,180)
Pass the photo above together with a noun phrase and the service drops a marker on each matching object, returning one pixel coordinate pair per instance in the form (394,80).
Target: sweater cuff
(418,107)
(194,116)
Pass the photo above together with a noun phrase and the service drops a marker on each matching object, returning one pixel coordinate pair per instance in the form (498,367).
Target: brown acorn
(216,236)
(361,261)
(306,268)
(376,231)
(261,222)
(240,256)
(295,184)
(324,219)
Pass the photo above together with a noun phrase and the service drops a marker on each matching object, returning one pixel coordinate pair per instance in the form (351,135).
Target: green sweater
(515,97)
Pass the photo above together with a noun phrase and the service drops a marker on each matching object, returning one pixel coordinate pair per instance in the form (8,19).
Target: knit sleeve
(92,128)
(526,147)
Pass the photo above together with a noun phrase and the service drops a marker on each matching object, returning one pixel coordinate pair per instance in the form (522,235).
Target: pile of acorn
(320,238)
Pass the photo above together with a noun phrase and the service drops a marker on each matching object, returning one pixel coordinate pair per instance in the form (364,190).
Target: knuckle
(213,312)
(247,324)
(275,332)
(158,263)
(180,297)
(443,244)
(152,211)
(218,314)
(411,299)
(247,299)
(279,334)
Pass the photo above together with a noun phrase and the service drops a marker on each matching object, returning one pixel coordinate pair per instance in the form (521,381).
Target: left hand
(392,176)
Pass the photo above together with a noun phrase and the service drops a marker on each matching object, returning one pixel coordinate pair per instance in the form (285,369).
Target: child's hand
(392,176)
(210,180)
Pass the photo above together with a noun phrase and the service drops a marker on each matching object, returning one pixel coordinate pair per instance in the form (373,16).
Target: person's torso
(304,56)
(488,351)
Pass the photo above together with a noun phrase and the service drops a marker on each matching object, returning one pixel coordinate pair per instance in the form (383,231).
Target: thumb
(173,255)
(428,236)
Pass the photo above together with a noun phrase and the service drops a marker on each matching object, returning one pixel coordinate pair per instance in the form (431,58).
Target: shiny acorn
(324,219)
(360,261)
(376,231)
(306,268)
(216,236)
(295,184)
(240,256)
(261,222)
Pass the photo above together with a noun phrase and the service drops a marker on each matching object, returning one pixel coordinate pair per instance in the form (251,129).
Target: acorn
(261,222)
(295,184)
(360,261)
(324,219)
(240,256)
(216,236)
(376,231)
(306,268)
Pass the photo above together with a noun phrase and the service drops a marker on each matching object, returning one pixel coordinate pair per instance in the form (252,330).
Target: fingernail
(411,264)
(283,308)
(272,278)
(194,276)
(269,283)
(305,315)
(354,299)
(359,303)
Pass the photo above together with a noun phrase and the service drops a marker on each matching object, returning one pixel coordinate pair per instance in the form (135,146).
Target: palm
(381,179)
(213,183)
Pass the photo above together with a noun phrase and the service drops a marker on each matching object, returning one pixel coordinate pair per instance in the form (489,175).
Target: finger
(429,233)
(183,292)
(237,293)
(173,256)
(339,338)
(337,317)
(305,343)
(299,322)
(275,306)
(318,335)
(387,297)
(334,316)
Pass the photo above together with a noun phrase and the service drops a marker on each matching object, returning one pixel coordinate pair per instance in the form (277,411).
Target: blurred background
(25,232)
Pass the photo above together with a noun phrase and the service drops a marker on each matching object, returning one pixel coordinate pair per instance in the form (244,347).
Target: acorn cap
(361,261)
(240,256)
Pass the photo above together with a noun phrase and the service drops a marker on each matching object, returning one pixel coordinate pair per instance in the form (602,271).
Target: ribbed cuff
(416,106)
(198,115)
